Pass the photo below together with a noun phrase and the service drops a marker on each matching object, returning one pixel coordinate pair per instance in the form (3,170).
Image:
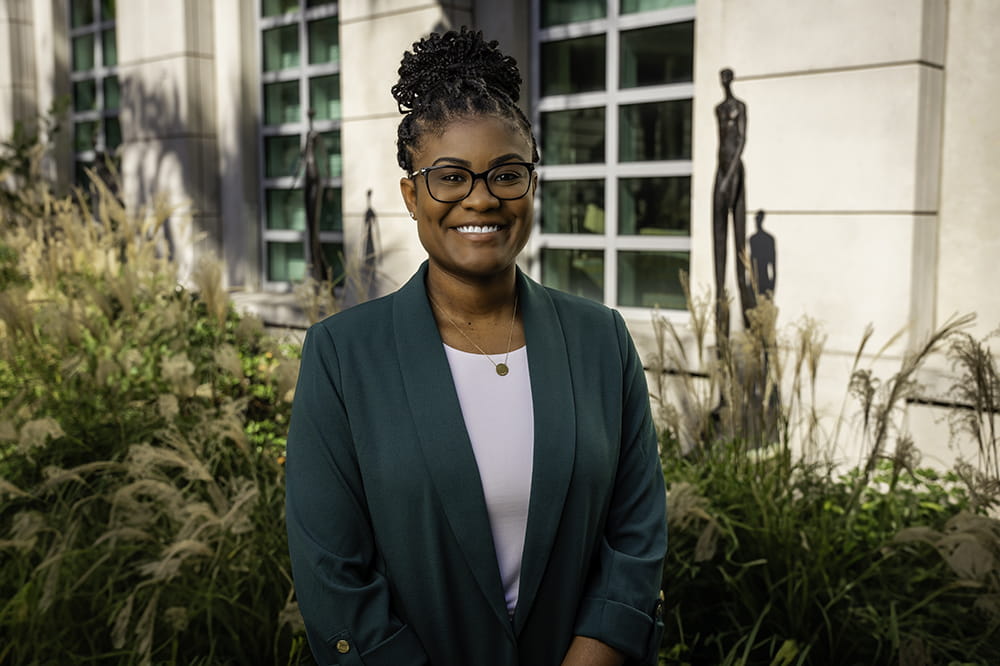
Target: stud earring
(412,216)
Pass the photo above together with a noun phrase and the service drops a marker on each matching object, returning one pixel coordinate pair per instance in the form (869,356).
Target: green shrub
(776,555)
(141,433)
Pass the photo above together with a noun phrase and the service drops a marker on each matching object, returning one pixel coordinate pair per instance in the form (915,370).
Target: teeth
(470,229)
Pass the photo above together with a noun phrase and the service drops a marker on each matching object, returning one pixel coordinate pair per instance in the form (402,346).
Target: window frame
(611,170)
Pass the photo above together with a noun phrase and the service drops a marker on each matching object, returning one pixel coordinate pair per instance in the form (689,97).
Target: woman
(472,470)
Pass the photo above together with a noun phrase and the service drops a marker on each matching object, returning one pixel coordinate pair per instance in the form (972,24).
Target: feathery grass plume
(978,386)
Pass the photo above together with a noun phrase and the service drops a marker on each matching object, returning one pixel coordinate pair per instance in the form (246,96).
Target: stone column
(166,56)
(18,93)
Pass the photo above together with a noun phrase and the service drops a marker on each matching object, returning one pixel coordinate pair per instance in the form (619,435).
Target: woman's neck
(471,299)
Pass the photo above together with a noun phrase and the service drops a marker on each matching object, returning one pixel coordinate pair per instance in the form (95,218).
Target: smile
(472,229)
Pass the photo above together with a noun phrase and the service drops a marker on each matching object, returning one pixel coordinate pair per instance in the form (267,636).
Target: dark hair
(450,76)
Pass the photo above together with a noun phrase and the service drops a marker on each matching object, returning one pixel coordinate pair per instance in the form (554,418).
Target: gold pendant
(502,369)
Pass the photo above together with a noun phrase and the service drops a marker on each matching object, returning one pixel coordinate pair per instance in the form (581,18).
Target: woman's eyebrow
(466,163)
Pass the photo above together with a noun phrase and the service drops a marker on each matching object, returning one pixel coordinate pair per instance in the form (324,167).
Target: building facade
(870,147)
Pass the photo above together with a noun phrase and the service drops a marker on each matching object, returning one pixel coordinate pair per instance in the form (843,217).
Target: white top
(500,419)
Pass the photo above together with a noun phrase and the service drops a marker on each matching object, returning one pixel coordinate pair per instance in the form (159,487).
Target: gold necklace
(501,368)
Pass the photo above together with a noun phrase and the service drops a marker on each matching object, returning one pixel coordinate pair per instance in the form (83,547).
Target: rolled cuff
(402,648)
(632,632)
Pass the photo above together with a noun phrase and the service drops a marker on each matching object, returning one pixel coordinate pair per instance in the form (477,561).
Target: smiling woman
(472,470)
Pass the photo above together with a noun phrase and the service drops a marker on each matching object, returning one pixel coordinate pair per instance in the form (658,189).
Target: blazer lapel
(555,436)
(443,437)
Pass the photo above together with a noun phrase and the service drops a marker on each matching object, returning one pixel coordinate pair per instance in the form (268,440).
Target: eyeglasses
(450,184)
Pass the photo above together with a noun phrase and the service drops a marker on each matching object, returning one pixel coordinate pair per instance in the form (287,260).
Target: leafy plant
(141,436)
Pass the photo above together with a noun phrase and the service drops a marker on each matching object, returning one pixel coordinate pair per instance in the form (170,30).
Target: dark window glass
(83,52)
(278,7)
(286,262)
(112,93)
(324,96)
(572,206)
(573,137)
(579,272)
(84,135)
(655,131)
(657,55)
(281,48)
(112,133)
(281,103)
(85,95)
(332,165)
(109,48)
(573,65)
(281,155)
(652,279)
(654,206)
(81,13)
(108,10)
(632,6)
(570,11)
(324,41)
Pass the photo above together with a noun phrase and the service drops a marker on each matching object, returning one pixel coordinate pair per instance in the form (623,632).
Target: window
(96,97)
(300,72)
(613,99)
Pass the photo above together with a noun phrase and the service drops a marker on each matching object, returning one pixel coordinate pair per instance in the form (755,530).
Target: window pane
(329,215)
(631,6)
(85,95)
(573,137)
(281,103)
(324,96)
(80,177)
(319,3)
(573,65)
(652,279)
(281,155)
(109,48)
(84,135)
(286,262)
(568,11)
(330,151)
(112,93)
(108,10)
(277,7)
(83,52)
(334,255)
(579,272)
(112,133)
(324,42)
(655,131)
(572,206)
(657,55)
(281,48)
(81,12)
(286,209)
(654,206)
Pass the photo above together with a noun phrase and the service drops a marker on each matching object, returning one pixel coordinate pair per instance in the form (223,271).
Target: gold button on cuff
(343,647)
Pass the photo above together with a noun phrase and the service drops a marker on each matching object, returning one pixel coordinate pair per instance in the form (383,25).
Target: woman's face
(480,236)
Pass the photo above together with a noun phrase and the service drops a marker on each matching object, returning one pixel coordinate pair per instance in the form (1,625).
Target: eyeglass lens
(453,183)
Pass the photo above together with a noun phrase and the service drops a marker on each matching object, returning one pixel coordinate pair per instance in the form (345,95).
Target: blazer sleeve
(621,603)
(344,598)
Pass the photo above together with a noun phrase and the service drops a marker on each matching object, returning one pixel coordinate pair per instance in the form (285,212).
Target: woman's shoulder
(359,319)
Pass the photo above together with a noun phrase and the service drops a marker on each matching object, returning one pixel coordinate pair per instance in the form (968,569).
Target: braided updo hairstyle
(452,76)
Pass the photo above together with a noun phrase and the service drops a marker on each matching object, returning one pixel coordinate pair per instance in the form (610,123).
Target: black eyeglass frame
(475,176)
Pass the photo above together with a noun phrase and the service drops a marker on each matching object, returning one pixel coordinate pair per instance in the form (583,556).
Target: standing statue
(313,188)
(730,197)
(763,256)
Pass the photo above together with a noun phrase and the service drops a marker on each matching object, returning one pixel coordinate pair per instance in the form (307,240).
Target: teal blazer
(391,548)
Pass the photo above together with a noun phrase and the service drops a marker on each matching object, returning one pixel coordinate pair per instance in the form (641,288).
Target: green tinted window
(573,137)
(652,279)
(655,131)
(573,65)
(654,206)
(579,272)
(573,206)
(657,55)
(555,12)
(281,48)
